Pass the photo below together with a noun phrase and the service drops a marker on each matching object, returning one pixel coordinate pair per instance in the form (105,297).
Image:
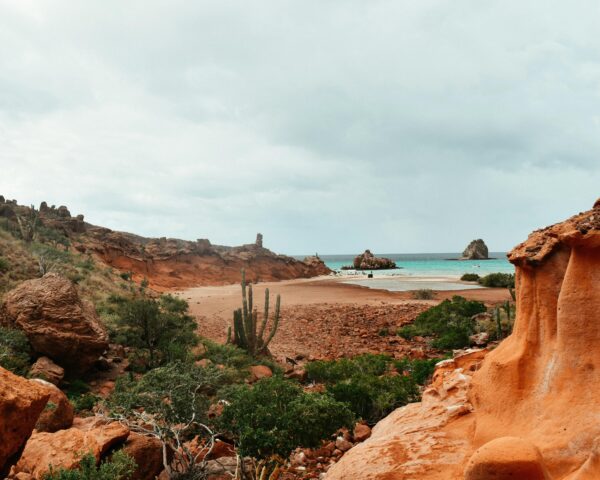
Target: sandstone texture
(21,402)
(476,250)
(529,410)
(147,453)
(46,369)
(57,323)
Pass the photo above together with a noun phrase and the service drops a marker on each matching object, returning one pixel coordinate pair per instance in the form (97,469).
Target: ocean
(421,271)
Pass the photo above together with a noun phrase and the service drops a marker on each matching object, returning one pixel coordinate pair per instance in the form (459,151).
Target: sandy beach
(327,317)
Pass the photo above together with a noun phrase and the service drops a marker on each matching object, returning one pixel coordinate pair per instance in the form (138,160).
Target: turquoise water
(430,264)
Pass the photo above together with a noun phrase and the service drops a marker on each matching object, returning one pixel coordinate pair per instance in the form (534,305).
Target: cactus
(246,333)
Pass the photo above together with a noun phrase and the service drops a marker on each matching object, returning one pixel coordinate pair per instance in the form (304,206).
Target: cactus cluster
(247,334)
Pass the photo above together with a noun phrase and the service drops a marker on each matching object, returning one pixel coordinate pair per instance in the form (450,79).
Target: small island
(476,250)
(368,261)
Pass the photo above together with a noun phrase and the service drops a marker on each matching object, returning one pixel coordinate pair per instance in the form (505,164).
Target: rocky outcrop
(57,323)
(21,402)
(532,406)
(64,448)
(368,261)
(476,250)
(58,412)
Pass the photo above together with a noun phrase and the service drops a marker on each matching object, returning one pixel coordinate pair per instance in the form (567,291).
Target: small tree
(246,332)
(28,224)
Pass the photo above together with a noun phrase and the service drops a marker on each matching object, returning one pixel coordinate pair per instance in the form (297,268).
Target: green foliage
(234,358)
(498,280)
(4,265)
(362,384)
(53,237)
(14,351)
(79,394)
(470,277)
(423,294)
(275,415)
(120,467)
(246,332)
(161,330)
(450,322)
(420,370)
(174,393)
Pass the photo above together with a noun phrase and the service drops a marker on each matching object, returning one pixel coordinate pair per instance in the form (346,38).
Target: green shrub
(329,372)
(234,357)
(162,330)
(79,394)
(4,265)
(423,294)
(14,351)
(421,370)
(120,467)
(498,280)
(450,322)
(274,416)
(470,277)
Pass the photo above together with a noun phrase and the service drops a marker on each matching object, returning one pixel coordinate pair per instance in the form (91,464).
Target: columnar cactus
(246,332)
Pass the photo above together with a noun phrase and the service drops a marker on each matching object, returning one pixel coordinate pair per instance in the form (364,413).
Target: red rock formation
(21,402)
(57,323)
(534,400)
(58,412)
(147,454)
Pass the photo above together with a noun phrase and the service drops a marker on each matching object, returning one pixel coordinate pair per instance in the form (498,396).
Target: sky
(330,126)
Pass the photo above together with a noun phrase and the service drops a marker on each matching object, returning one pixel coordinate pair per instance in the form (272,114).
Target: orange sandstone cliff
(529,410)
(167,263)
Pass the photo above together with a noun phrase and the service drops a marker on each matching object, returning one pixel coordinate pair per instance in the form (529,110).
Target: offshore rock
(476,250)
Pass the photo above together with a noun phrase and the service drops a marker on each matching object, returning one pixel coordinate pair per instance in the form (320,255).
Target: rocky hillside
(166,263)
(524,410)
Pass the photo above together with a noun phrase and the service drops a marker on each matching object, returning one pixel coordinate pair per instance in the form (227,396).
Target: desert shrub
(275,415)
(470,277)
(4,265)
(127,276)
(234,357)
(119,467)
(423,294)
(14,351)
(450,322)
(161,330)
(362,384)
(498,280)
(384,332)
(420,370)
(80,396)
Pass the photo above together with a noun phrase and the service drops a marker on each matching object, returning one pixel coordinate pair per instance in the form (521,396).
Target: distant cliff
(166,263)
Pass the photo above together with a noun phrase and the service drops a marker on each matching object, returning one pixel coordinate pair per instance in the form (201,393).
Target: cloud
(327,125)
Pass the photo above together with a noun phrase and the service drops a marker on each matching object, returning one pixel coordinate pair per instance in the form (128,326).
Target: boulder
(368,261)
(476,250)
(64,448)
(506,458)
(148,456)
(259,371)
(361,432)
(21,402)
(57,323)
(58,412)
(46,369)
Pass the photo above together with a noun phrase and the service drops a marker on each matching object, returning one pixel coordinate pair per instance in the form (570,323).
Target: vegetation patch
(15,353)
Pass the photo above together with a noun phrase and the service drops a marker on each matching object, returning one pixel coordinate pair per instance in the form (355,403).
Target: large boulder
(46,369)
(147,454)
(368,261)
(56,321)
(21,402)
(476,250)
(64,448)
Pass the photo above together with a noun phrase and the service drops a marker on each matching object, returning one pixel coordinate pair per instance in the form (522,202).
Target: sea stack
(476,250)
(368,261)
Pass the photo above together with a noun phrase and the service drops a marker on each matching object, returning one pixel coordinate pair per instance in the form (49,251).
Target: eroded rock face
(21,402)
(476,250)
(57,323)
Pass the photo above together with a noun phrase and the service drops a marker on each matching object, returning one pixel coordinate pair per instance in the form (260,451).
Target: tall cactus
(246,332)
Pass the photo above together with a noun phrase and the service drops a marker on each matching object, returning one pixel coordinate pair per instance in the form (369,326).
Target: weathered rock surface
(57,323)
(476,250)
(540,385)
(368,261)
(58,412)
(63,449)
(147,454)
(21,402)
(46,369)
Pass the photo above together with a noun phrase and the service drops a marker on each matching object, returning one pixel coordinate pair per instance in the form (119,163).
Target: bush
(470,277)
(120,467)
(421,370)
(361,383)
(275,416)
(161,330)
(14,351)
(234,357)
(450,322)
(4,265)
(423,294)
(498,280)
(79,395)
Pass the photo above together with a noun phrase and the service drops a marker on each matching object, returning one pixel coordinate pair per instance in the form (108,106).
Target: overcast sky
(327,125)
